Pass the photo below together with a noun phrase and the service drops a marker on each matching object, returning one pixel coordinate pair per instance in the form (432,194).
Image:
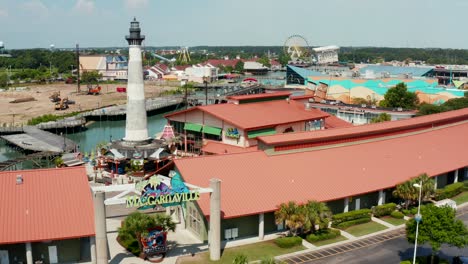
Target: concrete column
(29,257)
(168,211)
(435,183)
(92,247)
(215,220)
(261,226)
(455,178)
(381,197)
(346,205)
(101,229)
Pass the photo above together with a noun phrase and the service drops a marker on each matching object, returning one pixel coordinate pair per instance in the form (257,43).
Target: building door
(53,254)
(4,257)
(358,203)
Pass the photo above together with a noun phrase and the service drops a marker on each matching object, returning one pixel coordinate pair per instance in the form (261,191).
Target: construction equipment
(94,90)
(62,105)
(55,97)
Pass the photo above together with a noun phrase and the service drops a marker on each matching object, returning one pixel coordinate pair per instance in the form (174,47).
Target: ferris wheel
(297,47)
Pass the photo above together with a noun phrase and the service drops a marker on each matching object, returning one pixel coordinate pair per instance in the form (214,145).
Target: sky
(104,23)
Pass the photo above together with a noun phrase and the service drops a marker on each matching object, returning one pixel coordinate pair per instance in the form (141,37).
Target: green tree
(90,77)
(438,226)
(381,118)
(239,67)
(137,225)
(264,61)
(399,96)
(408,192)
(429,109)
(3,80)
(292,215)
(284,58)
(316,214)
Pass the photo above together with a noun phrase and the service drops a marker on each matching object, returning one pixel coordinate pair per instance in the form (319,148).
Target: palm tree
(291,214)
(408,192)
(317,214)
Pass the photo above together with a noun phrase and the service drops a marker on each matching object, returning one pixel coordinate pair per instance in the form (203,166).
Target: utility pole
(78,67)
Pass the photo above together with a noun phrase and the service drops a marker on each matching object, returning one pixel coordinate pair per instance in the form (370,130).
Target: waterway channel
(104,131)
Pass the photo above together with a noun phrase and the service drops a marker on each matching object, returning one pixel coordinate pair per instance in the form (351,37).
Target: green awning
(192,127)
(212,130)
(261,132)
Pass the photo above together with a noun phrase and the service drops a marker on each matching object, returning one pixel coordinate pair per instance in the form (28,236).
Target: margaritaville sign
(155,192)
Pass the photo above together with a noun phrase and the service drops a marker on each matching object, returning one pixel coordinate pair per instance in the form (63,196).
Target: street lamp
(418,218)
(205,81)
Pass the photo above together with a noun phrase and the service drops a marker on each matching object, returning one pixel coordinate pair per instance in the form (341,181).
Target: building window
(195,221)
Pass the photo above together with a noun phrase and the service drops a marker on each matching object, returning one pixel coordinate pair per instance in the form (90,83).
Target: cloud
(36,7)
(136,4)
(85,6)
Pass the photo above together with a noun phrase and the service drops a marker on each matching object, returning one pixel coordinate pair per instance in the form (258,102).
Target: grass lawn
(461,198)
(364,229)
(254,251)
(329,241)
(393,221)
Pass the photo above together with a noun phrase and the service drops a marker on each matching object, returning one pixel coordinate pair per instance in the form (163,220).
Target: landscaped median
(256,251)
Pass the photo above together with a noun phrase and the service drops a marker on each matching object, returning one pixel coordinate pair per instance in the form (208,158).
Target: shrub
(405,262)
(384,209)
(406,211)
(288,242)
(323,234)
(268,260)
(358,221)
(449,191)
(414,211)
(396,214)
(240,259)
(349,216)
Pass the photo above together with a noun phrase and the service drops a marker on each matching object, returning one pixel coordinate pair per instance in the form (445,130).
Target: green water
(103,131)
(100,131)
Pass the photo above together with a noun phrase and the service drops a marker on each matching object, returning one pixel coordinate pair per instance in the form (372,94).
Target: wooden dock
(69,122)
(34,139)
(35,158)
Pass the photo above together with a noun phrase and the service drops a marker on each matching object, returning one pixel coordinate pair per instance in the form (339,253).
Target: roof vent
(287,100)
(19,179)
(307,106)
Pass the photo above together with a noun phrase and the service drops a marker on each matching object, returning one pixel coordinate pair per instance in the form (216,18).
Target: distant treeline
(61,60)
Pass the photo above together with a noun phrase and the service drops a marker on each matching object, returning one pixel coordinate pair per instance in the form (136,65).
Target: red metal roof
(336,122)
(369,129)
(257,96)
(253,182)
(225,63)
(260,115)
(216,147)
(50,204)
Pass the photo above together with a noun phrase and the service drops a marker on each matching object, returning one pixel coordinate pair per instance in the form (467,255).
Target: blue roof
(304,73)
(394,70)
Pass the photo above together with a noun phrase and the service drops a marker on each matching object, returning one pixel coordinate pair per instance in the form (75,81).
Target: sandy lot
(20,113)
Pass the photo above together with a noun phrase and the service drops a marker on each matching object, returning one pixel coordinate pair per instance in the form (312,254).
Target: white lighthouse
(136,129)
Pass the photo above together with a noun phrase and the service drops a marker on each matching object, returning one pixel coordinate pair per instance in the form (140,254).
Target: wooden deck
(34,139)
